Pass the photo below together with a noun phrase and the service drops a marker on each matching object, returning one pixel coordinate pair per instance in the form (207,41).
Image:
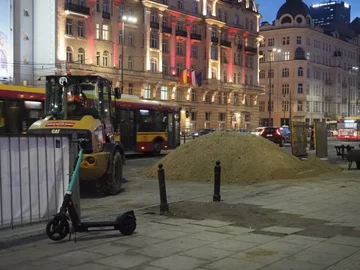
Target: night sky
(269,8)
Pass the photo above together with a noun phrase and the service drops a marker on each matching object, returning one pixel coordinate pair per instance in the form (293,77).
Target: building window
(164,45)
(130,63)
(262,74)
(286,41)
(131,89)
(285,72)
(147,91)
(105,5)
(120,37)
(234,78)
(271,73)
(236,99)
(180,4)
(179,49)
(105,32)
(98,58)
(81,56)
(164,68)
(69,57)
(300,72)
(271,42)
(178,69)
(164,93)
(193,95)
(121,10)
(69,27)
(105,58)
(193,51)
(285,105)
(298,40)
(153,65)
(98,5)
(131,39)
(236,19)
(194,7)
(213,74)
(251,80)
(286,56)
(214,52)
(300,88)
(153,41)
(208,116)
(97,31)
(262,106)
(222,117)
(81,32)
(285,89)
(299,106)
(153,17)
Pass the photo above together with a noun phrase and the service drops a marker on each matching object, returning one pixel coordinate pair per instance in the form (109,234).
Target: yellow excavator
(84,106)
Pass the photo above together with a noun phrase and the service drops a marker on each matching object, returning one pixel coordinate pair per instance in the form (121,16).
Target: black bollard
(184,138)
(164,207)
(217,177)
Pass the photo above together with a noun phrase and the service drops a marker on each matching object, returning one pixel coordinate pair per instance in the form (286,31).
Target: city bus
(141,125)
(349,128)
(20,107)
(331,126)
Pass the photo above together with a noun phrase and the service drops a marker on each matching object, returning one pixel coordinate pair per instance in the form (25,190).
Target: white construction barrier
(34,173)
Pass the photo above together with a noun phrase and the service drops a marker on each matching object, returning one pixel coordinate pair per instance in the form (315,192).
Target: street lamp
(124,19)
(274,50)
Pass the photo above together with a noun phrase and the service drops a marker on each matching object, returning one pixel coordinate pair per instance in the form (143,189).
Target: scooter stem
(76,171)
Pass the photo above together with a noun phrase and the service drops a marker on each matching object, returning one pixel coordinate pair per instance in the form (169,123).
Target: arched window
(81,56)
(130,63)
(153,65)
(300,72)
(105,58)
(299,54)
(286,19)
(285,72)
(69,55)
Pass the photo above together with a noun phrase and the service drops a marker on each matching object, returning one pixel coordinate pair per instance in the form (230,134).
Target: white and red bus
(348,128)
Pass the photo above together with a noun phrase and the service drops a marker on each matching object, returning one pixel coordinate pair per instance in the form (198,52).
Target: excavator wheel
(110,183)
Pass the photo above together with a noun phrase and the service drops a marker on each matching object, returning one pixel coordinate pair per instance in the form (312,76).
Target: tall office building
(326,13)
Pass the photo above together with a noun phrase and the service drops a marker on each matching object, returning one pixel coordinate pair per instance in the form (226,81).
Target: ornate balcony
(166,29)
(251,50)
(195,36)
(106,15)
(214,39)
(154,25)
(225,43)
(181,33)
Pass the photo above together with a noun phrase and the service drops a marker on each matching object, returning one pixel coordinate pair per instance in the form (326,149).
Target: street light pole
(129,19)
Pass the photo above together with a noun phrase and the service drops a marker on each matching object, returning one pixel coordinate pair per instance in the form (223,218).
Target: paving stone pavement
(187,244)
(166,242)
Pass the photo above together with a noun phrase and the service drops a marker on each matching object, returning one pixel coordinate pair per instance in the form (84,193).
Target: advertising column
(6,39)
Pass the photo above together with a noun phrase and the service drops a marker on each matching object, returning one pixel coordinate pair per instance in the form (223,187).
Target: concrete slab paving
(212,223)
(233,245)
(345,240)
(284,230)
(334,249)
(207,253)
(123,260)
(233,230)
(255,238)
(209,236)
(350,263)
(318,257)
(234,264)
(287,264)
(185,243)
(158,250)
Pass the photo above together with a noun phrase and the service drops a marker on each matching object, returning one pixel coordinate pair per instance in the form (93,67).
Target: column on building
(147,38)
(188,46)
(160,65)
(244,69)
(231,37)
(208,48)
(173,44)
(219,55)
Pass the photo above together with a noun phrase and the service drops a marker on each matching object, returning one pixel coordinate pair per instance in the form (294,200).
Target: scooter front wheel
(128,225)
(57,229)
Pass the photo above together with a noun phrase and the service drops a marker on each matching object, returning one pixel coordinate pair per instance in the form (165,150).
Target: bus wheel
(157,147)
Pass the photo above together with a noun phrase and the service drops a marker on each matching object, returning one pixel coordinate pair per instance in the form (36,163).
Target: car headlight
(196,134)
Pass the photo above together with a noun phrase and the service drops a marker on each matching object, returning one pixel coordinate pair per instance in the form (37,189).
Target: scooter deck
(99,224)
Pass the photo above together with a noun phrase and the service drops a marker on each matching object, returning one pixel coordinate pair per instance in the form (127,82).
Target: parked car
(257,131)
(286,133)
(202,132)
(273,134)
(244,130)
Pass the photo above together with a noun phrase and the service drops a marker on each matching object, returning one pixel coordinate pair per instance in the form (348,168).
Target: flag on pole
(183,77)
(192,78)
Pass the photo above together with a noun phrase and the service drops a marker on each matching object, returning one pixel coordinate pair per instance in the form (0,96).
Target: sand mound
(244,158)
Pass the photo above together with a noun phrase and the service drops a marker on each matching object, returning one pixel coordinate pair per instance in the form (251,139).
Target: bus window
(13,115)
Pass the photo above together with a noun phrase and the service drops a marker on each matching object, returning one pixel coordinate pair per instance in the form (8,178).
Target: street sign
(63,80)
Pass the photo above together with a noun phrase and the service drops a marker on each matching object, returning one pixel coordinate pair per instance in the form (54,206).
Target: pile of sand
(244,158)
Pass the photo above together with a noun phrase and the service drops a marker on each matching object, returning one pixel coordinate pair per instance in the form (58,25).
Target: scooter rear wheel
(128,225)
(57,229)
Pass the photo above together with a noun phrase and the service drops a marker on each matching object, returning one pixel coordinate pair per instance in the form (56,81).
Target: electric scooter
(58,227)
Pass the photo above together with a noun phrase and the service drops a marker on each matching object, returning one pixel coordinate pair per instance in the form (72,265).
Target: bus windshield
(77,98)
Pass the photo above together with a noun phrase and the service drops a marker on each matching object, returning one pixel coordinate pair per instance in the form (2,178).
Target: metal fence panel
(34,172)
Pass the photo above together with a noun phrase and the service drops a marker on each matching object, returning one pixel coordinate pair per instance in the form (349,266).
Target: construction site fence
(34,174)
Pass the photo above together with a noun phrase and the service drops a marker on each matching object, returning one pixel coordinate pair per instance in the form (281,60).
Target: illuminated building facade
(326,13)
(314,75)
(216,38)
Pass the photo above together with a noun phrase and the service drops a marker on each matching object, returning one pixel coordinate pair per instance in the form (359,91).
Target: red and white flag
(192,78)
